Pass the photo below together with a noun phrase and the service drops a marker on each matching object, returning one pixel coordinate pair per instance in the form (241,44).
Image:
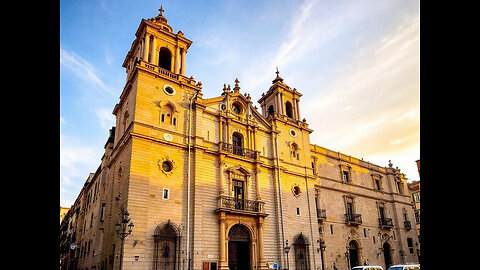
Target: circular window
(166,166)
(169,90)
(292,133)
(296,191)
(237,108)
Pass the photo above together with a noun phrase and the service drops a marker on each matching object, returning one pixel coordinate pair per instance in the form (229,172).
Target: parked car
(405,267)
(367,267)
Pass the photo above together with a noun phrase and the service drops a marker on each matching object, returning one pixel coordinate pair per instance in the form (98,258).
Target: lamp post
(286,249)
(321,250)
(121,227)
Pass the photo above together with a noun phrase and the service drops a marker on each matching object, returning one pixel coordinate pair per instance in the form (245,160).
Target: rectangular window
(410,244)
(377,184)
(416,197)
(175,121)
(364,232)
(298,211)
(166,194)
(91,220)
(331,229)
(163,117)
(345,177)
(102,210)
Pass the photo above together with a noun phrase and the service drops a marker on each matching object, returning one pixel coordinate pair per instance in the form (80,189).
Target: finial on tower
(278,78)
(236,89)
(161,10)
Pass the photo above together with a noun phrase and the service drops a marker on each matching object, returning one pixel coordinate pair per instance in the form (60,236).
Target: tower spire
(161,11)
(278,78)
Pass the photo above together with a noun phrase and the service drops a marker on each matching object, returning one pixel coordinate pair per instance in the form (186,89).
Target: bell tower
(158,47)
(156,87)
(280,100)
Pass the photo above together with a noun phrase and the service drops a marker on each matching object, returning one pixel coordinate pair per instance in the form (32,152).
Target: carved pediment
(238,171)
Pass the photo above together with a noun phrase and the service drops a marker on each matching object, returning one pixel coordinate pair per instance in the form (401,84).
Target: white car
(405,267)
(367,267)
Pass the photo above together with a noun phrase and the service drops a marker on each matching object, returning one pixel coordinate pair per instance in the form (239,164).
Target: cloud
(75,159)
(372,108)
(105,117)
(83,69)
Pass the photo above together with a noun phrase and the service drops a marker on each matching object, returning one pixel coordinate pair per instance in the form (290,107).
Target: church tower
(281,100)
(281,106)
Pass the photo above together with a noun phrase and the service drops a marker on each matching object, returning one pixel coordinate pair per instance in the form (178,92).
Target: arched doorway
(387,255)
(353,252)
(300,247)
(238,248)
(165,59)
(166,249)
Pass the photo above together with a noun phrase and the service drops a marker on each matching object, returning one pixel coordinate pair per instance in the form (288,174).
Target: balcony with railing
(237,150)
(385,223)
(321,215)
(240,206)
(407,225)
(353,219)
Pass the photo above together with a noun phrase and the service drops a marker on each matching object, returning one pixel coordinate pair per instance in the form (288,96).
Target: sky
(356,62)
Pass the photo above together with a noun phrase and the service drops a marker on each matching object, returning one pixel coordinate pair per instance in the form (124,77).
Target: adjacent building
(215,183)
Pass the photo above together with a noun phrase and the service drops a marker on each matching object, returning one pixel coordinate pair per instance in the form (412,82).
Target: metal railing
(385,222)
(321,214)
(240,204)
(354,219)
(237,150)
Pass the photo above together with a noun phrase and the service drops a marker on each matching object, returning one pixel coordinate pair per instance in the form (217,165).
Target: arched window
(165,59)
(288,109)
(237,144)
(167,114)
(302,261)
(294,153)
(270,110)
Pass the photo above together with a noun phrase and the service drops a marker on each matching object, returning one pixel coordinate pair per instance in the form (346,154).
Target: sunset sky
(356,63)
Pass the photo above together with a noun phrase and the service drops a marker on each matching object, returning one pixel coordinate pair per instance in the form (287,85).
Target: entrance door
(387,255)
(238,248)
(238,194)
(353,250)
(301,253)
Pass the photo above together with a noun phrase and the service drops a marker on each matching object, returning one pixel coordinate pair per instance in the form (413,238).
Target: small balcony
(385,223)
(237,150)
(407,224)
(240,206)
(321,215)
(353,219)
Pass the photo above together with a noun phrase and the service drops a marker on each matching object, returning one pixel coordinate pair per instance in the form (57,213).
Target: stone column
(222,264)
(177,60)
(183,62)
(262,264)
(298,109)
(146,47)
(154,52)
(282,102)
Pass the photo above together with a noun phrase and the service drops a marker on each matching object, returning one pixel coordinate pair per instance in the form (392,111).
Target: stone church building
(217,184)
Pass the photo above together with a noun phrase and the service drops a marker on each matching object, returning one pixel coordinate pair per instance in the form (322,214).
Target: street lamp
(321,250)
(121,228)
(286,249)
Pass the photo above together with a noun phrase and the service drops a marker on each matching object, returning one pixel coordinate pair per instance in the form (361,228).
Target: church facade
(217,184)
